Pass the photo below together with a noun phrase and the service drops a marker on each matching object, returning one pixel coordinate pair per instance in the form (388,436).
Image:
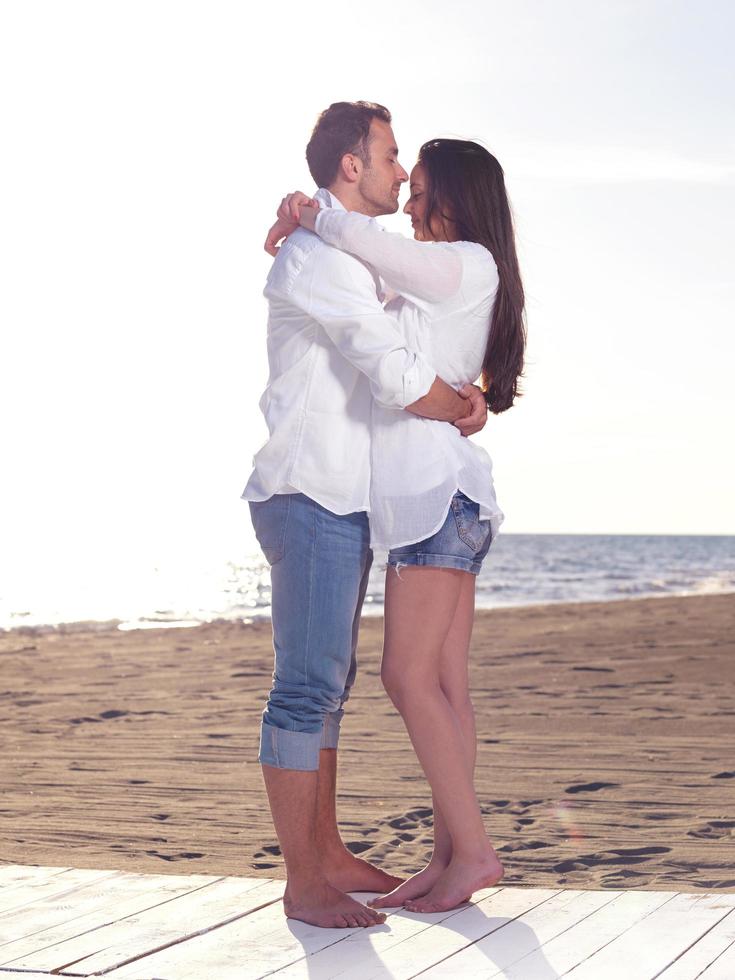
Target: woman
(458,298)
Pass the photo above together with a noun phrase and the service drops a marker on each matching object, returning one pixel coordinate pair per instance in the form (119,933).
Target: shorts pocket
(482,553)
(270,520)
(471,530)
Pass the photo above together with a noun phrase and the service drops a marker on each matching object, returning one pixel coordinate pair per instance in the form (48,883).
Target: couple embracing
(374,340)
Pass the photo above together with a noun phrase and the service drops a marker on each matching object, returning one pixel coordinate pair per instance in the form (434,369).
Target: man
(332,349)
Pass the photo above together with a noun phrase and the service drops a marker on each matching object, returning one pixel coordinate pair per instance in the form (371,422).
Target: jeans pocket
(471,530)
(270,519)
(482,553)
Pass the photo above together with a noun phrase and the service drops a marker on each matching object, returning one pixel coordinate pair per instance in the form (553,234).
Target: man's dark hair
(342,128)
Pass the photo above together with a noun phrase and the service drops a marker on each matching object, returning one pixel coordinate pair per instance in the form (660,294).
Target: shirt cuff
(412,384)
(417,381)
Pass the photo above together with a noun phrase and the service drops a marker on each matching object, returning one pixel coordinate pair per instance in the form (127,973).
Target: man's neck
(349,198)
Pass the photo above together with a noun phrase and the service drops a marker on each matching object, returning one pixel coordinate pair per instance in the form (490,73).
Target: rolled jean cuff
(330,732)
(289,750)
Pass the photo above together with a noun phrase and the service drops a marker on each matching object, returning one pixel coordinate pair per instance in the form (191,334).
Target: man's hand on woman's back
(476,420)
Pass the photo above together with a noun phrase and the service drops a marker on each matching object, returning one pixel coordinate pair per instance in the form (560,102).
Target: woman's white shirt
(442,297)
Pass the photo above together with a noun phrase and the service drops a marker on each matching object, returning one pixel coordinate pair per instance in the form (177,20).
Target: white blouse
(443,294)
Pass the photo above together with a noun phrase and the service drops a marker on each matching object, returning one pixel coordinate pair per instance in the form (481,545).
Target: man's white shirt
(332,349)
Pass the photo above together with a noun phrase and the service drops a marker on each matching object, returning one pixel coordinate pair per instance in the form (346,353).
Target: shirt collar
(328,199)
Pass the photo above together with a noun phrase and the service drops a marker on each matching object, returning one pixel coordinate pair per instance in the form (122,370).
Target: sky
(149,145)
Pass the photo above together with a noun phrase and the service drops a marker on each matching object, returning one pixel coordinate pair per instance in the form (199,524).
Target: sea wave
(521,570)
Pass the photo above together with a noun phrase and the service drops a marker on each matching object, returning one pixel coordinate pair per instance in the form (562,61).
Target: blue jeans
(320,563)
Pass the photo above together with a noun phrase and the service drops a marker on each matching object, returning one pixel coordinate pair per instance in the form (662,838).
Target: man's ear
(350,167)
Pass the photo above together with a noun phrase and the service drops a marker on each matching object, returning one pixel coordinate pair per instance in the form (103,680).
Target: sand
(606,748)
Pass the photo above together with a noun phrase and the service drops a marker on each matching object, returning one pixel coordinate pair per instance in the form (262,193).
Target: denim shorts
(461,542)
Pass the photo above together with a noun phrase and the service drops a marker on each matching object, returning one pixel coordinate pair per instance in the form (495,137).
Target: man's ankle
(331,849)
(305,880)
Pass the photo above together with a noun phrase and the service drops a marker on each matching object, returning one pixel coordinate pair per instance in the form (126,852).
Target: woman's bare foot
(414,887)
(323,905)
(460,879)
(352,874)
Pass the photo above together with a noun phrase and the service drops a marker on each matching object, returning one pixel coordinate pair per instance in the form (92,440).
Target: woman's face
(416,204)
(416,208)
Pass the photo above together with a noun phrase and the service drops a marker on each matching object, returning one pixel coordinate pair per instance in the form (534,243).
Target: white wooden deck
(80,923)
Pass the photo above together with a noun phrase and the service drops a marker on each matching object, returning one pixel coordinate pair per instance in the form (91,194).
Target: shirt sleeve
(421,271)
(339,292)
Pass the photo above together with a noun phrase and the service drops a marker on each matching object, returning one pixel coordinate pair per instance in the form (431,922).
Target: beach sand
(606,748)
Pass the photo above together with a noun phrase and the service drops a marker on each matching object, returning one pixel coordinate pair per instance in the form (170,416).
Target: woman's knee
(391,681)
(458,696)
(405,685)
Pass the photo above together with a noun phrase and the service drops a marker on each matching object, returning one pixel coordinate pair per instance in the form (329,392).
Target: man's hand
(475,421)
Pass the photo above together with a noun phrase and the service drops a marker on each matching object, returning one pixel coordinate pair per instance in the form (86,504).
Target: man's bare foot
(323,905)
(414,887)
(352,874)
(460,879)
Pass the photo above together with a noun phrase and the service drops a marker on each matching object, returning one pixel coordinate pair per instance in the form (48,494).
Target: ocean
(521,570)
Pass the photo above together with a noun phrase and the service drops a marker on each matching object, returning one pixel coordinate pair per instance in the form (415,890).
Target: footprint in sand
(176,857)
(529,845)
(623,855)
(589,787)
(402,823)
(713,830)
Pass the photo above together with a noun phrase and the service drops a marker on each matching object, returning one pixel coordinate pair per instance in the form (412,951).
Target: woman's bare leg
(420,607)
(454,681)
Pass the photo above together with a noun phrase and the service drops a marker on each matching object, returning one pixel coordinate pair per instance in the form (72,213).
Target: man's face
(381,179)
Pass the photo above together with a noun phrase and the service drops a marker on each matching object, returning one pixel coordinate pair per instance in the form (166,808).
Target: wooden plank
(517,937)
(704,953)
(569,948)
(243,950)
(54,921)
(414,941)
(13,874)
(651,945)
(358,950)
(13,975)
(56,886)
(723,968)
(145,932)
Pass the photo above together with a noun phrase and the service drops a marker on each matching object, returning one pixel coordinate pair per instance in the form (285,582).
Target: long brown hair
(466,185)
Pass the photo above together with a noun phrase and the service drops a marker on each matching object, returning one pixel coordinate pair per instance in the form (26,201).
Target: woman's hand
(295,209)
(291,205)
(280,230)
